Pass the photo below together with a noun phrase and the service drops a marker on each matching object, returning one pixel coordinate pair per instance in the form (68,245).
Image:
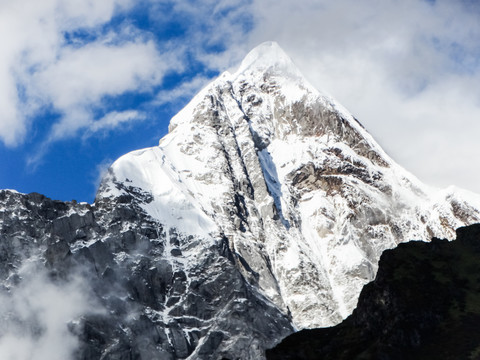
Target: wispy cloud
(32,34)
(185,90)
(113,120)
(35,315)
(81,79)
(214,32)
(99,173)
(56,55)
(73,58)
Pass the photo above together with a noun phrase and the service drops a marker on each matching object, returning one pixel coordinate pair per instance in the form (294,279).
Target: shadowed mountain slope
(423,304)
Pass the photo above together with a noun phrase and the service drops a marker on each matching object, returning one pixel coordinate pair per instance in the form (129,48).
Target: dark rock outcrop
(423,304)
(146,305)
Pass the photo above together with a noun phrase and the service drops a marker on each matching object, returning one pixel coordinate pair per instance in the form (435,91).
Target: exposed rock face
(264,209)
(157,293)
(423,304)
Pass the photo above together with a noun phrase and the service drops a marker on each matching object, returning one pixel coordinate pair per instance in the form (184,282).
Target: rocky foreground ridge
(263,211)
(423,304)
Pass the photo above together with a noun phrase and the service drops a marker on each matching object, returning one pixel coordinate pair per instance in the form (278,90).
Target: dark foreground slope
(423,304)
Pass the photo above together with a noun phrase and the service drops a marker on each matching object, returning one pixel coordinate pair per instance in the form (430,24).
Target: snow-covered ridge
(305,196)
(153,172)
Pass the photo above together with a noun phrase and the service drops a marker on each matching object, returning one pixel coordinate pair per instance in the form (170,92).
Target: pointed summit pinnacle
(268,55)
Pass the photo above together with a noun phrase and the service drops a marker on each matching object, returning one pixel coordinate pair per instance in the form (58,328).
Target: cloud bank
(406,69)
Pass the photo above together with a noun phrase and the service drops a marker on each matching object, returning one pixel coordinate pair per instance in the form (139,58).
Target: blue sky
(83,82)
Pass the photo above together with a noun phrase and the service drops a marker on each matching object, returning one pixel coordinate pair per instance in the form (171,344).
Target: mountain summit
(264,209)
(269,55)
(306,198)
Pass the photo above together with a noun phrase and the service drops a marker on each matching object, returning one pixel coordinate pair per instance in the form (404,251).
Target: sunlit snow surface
(302,192)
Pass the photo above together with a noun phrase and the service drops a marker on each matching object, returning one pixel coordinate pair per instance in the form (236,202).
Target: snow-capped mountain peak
(268,56)
(301,194)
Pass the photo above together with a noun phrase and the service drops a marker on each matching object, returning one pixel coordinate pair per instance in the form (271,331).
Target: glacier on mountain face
(264,209)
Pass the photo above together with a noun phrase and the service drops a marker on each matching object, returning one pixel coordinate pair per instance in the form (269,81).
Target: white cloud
(40,67)
(113,119)
(35,317)
(12,124)
(31,35)
(408,70)
(185,90)
(215,30)
(99,173)
(98,69)
(82,78)
(45,65)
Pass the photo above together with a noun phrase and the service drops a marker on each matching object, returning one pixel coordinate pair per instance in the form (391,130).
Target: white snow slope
(307,199)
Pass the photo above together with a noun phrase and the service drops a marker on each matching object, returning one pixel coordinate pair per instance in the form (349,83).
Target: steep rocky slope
(265,209)
(423,304)
(152,292)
